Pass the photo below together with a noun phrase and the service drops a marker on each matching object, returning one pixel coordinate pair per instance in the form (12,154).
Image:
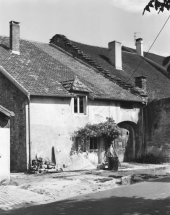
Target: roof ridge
(153,54)
(34,41)
(132,50)
(88,44)
(27,40)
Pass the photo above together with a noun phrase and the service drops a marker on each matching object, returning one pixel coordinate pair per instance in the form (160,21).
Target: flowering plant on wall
(107,130)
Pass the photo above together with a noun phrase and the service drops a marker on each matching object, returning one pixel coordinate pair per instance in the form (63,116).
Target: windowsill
(80,114)
(127,109)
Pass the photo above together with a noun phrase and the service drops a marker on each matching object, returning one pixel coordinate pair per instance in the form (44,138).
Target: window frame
(93,142)
(78,105)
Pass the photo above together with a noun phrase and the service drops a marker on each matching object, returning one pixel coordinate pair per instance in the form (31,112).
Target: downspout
(29,131)
(143,133)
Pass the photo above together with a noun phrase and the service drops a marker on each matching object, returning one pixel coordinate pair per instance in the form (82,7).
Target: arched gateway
(126,144)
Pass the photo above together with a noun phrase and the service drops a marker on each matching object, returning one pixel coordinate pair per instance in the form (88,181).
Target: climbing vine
(107,130)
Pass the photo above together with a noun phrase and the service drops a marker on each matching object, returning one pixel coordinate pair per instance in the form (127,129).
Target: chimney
(15,37)
(140,82)
(139,46)
(115,54)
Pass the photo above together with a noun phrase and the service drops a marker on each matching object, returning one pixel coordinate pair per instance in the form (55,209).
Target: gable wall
(53,123)
(157,129)
(14,100)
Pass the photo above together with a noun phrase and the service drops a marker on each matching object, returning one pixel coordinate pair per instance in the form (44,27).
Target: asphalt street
(146,198)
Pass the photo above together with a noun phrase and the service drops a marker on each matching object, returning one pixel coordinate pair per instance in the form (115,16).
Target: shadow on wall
(4,121)
(96,205)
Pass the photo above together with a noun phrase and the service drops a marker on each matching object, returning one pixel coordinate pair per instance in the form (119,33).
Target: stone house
(55,88)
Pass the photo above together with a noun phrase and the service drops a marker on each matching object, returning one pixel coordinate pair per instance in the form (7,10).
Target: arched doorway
(126,143)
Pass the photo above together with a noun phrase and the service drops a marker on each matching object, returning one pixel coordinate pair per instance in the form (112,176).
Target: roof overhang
(14,81)
(6,111)
(116,99)
(53,95)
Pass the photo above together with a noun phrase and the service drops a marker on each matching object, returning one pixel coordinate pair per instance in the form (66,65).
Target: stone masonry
(14,100)
(157,129)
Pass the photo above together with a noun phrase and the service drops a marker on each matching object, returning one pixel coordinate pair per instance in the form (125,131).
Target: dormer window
(80,104)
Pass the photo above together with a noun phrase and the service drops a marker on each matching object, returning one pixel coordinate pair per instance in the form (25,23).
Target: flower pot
(113,163)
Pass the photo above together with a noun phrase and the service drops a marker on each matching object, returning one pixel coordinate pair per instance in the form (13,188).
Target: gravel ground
(43,188)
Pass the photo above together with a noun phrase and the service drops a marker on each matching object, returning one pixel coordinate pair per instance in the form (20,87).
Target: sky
(93,22)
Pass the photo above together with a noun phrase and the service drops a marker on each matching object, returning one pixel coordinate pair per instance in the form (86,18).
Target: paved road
(12,197)
(147,198)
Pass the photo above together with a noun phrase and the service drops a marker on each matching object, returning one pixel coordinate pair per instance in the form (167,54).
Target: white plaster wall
(53,122)
(4,155)
(99,110)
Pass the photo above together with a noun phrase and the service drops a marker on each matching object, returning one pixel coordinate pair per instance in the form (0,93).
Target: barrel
(113,163)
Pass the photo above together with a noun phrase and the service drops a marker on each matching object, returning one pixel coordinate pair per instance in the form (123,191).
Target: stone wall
(14,100)
(157,129)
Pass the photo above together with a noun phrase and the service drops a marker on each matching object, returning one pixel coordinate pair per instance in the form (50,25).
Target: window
(93,143)
(79,146)
(80,105)
(75,105)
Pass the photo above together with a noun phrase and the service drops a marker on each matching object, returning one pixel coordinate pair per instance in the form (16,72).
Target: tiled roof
(154,59)
(43,70)
(33,69)
(158,85)
(100,86)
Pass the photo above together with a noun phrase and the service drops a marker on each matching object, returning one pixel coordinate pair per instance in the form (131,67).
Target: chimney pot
(115,54)
(139,46)
(15,37)
(140,82)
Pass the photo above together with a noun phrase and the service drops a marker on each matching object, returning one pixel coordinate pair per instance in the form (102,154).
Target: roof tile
(42,69)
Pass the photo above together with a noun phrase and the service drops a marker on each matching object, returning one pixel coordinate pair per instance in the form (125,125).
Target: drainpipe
(29,131)
(143,135)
